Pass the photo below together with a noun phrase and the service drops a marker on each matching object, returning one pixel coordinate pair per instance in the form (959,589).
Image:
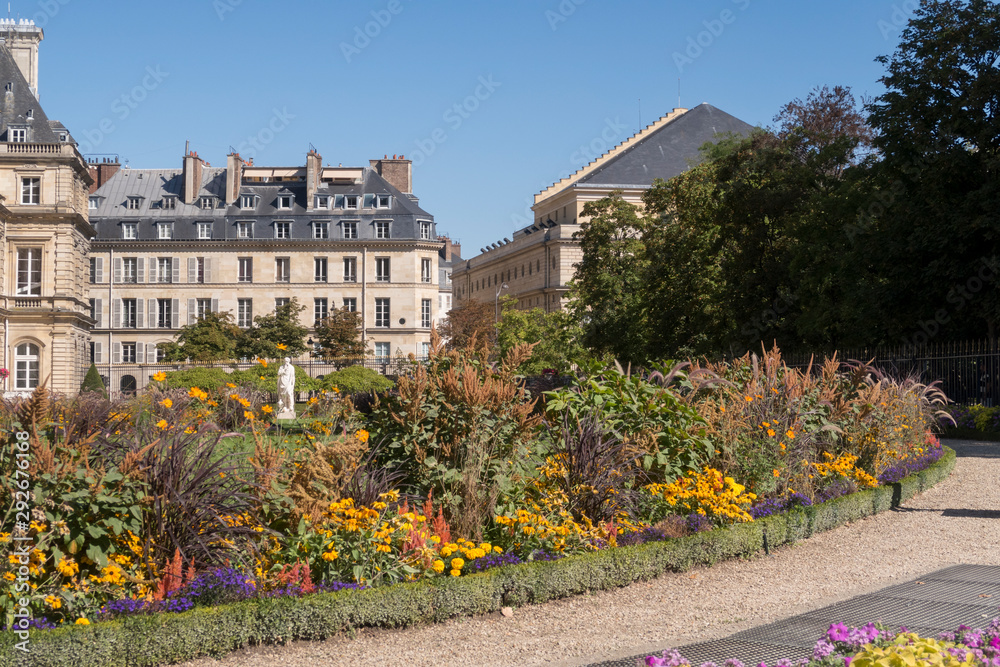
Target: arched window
(25,366)
(127,384)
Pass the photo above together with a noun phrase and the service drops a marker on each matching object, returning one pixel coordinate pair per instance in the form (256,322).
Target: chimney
(234,177)
(398,171)
(314,172)
(101,170)
(21,37)
(192,176)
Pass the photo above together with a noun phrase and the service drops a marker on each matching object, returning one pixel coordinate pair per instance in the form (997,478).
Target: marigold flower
(167,403)
(362,435)
(456,573)
(82,621)
(457,563)
(162,425)
(438,566)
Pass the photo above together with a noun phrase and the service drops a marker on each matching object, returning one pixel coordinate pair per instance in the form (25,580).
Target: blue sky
(493,101)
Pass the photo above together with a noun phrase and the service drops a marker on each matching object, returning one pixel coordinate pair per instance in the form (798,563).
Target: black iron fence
(127,379)
(968,371)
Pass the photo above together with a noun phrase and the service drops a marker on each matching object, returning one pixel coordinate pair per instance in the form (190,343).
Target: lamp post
(496,302)
(312,353)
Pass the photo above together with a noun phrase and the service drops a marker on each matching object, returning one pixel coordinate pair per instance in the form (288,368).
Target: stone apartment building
(44,229)
(538,261)
(173,244)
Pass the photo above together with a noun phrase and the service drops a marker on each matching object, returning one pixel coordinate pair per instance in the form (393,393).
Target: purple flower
(838,632)
(822,649)
(653,661)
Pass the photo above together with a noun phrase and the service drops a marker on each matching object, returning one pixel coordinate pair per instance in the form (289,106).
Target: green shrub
(93,382)
(207,379)
(356,380)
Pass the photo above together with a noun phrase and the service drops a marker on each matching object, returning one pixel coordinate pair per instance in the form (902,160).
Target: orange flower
(159,376)
(776,473)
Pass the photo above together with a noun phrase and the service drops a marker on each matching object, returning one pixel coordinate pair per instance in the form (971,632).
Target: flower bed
(185,499)
(873,645)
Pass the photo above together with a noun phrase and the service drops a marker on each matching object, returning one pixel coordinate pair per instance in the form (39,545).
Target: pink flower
(653,661)
(838,632)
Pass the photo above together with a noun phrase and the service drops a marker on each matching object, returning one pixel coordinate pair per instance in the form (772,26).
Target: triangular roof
(663,149)
(18,100)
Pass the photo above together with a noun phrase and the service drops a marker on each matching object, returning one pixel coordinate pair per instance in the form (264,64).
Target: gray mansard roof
(669,151)
(20,107)
(153,186)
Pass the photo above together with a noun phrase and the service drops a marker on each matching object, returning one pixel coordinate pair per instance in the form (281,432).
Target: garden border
(159,639)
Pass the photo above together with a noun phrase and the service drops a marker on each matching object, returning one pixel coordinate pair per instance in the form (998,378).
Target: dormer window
(64,136)
(382,201)
(31,114)
(285,201)
(168,203)
(94,203)
(132,203)
(248,201)
(207,202)
(350,201)
(17,135)
(322,201)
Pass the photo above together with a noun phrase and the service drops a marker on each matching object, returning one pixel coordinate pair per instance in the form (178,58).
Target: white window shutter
(99,270)
(151,353)
(215,305)
(116,314)
(140,270)
(118,270)
(152,269)
(176,277)
(175,307)
(98,352)
(208,270)
(116,355)
(151,323)
(99,313)
(138,313)
(192,311)
(192,270)
(140,356)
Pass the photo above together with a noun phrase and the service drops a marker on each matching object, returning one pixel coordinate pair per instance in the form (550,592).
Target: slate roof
(18,100)
(152,185)
(668,151)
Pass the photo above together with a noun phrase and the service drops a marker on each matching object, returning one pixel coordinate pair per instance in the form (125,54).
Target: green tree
(474,320)
(93,382)
(339,335)
(214,337)
(606,293)
(935,222)
(556,333)
(269,331)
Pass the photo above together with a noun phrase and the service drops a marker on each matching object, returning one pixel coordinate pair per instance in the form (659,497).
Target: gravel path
(958,521)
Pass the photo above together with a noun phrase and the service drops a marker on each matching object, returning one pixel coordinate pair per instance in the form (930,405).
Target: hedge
(165,638)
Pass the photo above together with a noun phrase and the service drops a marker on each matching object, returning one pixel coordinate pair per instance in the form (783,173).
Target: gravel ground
(955,522)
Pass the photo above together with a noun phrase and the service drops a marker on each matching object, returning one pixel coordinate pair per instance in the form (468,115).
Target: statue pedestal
(286,414)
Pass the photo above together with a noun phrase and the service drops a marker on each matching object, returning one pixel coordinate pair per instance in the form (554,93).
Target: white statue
(286,390)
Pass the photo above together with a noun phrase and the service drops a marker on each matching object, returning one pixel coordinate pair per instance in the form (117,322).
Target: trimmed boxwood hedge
(165,638)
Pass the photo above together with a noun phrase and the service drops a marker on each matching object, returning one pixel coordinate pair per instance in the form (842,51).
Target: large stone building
(174,243)
(46,235)
(537,262)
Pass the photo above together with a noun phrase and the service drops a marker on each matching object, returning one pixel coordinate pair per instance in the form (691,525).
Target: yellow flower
(162,425)
(82,621)
(770,432)
(195,392)
(497,549)
(281,346)
(231,385)
(53,601)
(262,362)
(159,377)
(790,434)
(362,435)
(749,399)
(167,403)
(776,473)
(331,555)
(457,563)
(456,573)
(267,409)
